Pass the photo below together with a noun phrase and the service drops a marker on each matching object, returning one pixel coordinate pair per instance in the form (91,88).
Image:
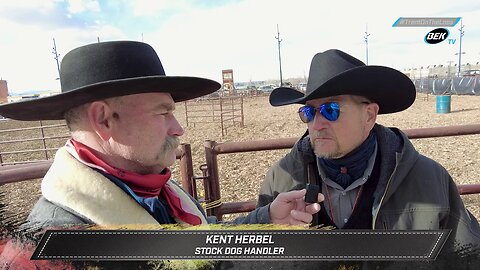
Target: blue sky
(200,37)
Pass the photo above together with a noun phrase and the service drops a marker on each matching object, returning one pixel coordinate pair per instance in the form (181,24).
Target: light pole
(366,42)
(279,55)
(56,57)
(460,49)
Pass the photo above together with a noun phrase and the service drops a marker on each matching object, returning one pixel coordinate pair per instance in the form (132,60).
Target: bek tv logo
(438,35)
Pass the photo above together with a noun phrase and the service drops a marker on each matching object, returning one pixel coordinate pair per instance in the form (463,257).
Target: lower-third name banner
(240,245)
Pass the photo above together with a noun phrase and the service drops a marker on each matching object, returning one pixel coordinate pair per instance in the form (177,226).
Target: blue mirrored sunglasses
(330,110)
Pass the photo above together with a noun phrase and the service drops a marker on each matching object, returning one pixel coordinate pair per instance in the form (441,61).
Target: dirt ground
(241,174)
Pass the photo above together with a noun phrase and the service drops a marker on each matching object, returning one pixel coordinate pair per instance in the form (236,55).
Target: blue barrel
(443,104)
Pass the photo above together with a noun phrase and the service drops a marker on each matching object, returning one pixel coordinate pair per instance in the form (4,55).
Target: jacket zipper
(381,202)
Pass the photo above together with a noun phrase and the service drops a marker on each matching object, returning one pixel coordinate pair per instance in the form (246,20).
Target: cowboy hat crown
(334,73)
(104,70)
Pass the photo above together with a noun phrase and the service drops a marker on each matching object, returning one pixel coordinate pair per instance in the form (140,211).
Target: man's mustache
(319,134)
(171,143)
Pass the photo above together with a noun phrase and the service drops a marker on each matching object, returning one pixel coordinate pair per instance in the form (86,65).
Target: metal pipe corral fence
(285,143)
(210,170)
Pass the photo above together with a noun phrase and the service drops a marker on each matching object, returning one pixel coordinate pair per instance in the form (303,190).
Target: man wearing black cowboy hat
(371,175)
(118,104)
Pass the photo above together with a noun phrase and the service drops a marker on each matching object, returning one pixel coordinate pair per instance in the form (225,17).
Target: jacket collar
(75,186)
(394,148)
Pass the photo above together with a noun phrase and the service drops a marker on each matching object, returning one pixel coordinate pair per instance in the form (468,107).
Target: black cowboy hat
(334,73)
(108,69)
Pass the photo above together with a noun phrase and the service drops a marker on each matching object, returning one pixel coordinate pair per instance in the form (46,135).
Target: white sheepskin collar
(71,184)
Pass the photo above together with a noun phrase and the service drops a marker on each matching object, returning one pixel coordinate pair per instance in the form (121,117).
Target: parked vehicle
(302,87)
(267,88)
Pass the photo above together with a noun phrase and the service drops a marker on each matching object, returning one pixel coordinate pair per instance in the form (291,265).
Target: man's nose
(319,122)
(176,129)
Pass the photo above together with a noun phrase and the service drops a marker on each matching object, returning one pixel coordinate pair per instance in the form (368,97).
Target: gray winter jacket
(414,192)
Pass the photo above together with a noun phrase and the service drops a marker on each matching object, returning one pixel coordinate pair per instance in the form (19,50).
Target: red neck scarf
(148,185)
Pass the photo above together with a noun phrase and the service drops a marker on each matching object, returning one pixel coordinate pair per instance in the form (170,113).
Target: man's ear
(372,112)
(99,115)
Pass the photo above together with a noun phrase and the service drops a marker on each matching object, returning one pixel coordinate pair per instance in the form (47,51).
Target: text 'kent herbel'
(239,239)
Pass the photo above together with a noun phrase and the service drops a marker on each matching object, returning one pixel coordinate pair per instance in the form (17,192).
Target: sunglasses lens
(306,113)
(331,111)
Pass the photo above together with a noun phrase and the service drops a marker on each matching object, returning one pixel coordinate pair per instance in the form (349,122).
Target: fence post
(186,170)
(186,112)
(213,179)
(241,109)
(221,117)
(233,110)
(213,110)
(43,139)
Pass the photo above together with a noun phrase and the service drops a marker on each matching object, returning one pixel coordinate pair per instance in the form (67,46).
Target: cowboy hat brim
(54,107)
(392,90)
